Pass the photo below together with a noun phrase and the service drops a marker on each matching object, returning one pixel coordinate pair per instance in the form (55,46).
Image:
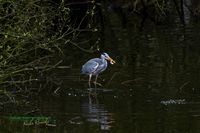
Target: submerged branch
(19,82)
(183,85)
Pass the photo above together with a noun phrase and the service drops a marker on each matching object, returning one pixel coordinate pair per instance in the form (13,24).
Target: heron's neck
(104,60)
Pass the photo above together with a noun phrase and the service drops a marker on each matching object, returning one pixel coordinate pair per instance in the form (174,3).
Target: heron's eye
(106,55)
(103,54)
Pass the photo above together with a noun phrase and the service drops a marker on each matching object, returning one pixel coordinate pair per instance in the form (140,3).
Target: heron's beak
(111,60)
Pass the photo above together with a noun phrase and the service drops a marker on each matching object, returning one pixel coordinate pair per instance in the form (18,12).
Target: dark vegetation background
(37,36)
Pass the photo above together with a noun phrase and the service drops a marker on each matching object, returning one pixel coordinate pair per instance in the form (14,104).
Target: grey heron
(95,66)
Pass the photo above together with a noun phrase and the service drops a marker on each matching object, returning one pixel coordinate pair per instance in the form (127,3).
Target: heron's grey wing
(90,67)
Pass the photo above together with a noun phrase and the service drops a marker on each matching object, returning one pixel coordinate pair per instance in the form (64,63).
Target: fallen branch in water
(129,81)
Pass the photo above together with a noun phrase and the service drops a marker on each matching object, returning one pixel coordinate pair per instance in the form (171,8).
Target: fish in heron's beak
(111,60)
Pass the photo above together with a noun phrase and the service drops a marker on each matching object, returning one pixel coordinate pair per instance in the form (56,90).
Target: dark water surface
(153,88)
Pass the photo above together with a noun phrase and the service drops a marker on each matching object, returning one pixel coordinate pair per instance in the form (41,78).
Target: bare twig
(18,82)
(112,78)
(79,3)
(80,48)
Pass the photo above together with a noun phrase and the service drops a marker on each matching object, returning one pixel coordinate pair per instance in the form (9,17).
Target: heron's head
(107,57)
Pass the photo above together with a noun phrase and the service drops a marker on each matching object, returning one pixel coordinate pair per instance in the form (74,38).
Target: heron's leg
(90,76)
(95,82)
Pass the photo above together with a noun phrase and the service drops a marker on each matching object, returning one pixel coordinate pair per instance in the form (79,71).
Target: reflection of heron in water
(92,110)
(95,66)
(97,113)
